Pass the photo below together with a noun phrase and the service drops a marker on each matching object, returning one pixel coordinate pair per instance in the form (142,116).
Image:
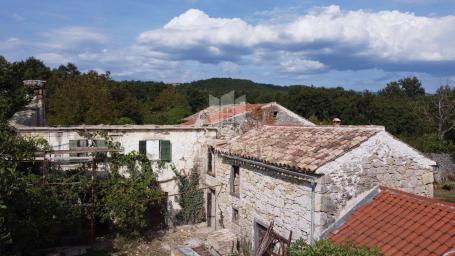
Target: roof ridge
(368,127)
(423,199)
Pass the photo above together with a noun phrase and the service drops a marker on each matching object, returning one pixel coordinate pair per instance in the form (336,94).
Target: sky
(354,44)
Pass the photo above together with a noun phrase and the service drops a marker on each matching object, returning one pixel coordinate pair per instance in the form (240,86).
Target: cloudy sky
(355,44)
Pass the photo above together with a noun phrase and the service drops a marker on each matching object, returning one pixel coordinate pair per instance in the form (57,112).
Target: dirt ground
(161,243)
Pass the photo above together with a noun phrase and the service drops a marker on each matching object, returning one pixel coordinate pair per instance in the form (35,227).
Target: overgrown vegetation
(325,247)
(42,206)
(191,199)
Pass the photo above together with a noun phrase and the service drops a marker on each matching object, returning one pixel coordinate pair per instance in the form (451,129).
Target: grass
(445,193)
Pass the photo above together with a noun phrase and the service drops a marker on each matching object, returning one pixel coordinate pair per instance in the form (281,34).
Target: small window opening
(210,161)
(235,181)
(235,215)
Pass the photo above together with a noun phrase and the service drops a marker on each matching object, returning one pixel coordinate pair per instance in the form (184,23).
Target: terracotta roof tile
(304,148)
(218,114)
(400,223)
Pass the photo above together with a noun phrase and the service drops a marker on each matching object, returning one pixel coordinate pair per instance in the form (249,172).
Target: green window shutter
(73,144)
(142,147)
(100,143)
(165,150)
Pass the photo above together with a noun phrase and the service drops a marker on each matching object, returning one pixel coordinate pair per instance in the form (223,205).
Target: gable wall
(382,160)
(264,197)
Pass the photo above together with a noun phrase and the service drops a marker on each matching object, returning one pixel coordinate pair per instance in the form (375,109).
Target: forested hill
(74,98)
(255,92)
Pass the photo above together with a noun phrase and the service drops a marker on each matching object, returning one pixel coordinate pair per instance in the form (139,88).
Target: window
(165,150)
(235,181)
(235,215)
(210,161)
(75,144)
(156,149)
(275,114)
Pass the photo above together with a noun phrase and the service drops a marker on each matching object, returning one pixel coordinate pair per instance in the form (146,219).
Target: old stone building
(183,147)
(304,177)
(258,162)
(235,119)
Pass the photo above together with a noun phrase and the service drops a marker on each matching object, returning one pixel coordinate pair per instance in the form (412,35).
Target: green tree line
(423,120)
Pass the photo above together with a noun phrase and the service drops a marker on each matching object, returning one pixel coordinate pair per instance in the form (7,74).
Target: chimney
(38,100)
(336,121)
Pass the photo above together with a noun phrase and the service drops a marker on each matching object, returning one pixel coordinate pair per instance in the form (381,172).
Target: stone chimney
(34,114)
(336,121)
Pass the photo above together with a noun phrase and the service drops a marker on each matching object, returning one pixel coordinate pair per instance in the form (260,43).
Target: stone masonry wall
(264,197)
(382,160)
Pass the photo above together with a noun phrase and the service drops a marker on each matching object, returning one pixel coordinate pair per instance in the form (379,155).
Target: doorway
(211,210)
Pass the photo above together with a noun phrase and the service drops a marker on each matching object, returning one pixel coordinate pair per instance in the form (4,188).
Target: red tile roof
(304,148)
(218,114)
(400,223)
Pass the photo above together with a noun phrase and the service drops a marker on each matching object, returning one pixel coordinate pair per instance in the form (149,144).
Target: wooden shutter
(143,147)
(165,150)
(100,143)
(72,145)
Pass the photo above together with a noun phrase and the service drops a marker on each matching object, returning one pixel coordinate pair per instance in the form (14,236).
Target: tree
(83,99)
(440,110)
(12,91)
(392,89)
(412,87)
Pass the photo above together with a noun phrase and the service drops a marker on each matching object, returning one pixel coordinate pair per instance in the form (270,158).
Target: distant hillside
(255,92)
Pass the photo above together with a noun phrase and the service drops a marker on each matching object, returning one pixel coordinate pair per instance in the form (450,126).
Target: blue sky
(355,44)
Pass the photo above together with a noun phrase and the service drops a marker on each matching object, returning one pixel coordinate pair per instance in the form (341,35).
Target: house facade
(304,178)
(184,148)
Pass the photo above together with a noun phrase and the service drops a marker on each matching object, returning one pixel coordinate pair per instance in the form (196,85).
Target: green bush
(325,247)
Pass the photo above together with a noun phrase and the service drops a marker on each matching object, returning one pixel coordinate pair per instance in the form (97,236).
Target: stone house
(304,177)
(182,146)
(235,119)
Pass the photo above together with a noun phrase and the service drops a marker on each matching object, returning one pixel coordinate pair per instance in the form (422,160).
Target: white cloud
(17,17)
(11,43)
(70,37)
(301,66)
(51,58)
(384,36)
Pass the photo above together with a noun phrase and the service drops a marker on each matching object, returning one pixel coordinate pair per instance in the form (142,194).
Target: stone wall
(188,145)
(264,197)
(382,160)
(270,114)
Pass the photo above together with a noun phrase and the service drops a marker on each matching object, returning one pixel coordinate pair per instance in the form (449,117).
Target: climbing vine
(191,198)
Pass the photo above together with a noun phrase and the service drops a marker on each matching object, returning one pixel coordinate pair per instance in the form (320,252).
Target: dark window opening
(259,233)
(210,161)
(275,114)
(235,181)
(235,215)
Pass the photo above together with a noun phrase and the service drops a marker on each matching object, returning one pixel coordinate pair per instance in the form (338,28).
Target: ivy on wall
(190,198)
